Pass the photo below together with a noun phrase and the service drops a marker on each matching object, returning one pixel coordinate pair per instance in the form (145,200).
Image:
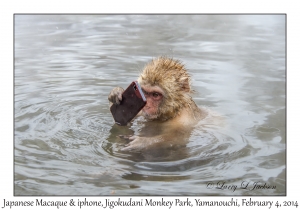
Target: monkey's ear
(185,85)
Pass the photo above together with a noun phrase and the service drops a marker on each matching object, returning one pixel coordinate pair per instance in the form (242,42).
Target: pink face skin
(154,96)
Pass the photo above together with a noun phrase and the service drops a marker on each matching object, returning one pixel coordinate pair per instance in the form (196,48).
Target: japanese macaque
(170,111)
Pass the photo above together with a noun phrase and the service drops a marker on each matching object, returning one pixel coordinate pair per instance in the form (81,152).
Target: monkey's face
(154,96)
(166,85)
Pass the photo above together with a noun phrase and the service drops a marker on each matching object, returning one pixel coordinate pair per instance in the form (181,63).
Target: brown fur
(171,117)
(171,76)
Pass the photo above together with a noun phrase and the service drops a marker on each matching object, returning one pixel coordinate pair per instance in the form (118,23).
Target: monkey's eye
(155,95)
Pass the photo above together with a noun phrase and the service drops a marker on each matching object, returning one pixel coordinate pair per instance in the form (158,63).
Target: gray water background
(65,139)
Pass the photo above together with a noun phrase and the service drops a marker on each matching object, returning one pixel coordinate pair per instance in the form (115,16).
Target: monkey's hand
(126,137)
(115,96)
(139,143)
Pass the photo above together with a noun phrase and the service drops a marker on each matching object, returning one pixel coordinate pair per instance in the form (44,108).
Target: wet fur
(171,76)
(174,117)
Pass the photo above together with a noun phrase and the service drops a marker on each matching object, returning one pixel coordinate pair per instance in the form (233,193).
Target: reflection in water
(66,142)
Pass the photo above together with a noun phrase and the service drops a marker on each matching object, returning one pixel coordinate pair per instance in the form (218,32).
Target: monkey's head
(166,85)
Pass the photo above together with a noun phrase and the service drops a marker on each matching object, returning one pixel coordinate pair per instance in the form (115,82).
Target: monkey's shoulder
(212,118)
(188,117)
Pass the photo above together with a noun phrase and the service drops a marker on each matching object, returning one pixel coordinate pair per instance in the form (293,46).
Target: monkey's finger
(110,98)
(131,138)
(117,101)
(125,137)
(126,148)
(120,96)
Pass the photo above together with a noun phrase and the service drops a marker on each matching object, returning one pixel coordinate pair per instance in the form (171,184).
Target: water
(65,138)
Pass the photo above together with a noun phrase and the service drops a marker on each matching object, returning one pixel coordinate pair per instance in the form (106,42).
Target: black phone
(133,100)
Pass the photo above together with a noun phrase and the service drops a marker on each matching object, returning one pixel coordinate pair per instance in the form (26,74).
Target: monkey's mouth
(149,116)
